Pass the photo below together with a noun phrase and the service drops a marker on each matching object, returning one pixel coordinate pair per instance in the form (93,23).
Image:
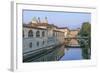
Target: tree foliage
(85,29)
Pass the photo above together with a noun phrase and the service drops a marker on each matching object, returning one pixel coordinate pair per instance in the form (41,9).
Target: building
(39,35)
(74,33)
(65,30)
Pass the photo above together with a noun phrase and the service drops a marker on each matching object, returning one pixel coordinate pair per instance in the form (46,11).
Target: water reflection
(62,53)
(55,55)
(86,48)
(72,54)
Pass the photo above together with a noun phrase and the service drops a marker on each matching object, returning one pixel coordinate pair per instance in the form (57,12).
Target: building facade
(39,35)
(74,33)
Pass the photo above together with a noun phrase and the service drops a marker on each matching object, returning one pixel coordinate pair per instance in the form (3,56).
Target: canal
(72,54)
(60,53)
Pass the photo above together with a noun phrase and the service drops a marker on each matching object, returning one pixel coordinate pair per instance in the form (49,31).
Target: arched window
(43,33)
(30,33)
(38,34)
(30,45)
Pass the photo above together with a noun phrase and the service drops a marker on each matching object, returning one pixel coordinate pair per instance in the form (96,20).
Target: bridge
(73,46)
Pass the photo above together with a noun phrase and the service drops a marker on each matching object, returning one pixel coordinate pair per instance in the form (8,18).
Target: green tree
(85,32)
(85,29)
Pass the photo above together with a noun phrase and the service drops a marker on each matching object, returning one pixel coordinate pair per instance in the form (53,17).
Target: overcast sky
(71,20)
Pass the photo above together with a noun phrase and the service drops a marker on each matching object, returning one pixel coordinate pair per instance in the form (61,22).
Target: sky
(72,20)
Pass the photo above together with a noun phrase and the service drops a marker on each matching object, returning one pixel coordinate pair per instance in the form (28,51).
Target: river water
(72,54)
(61,53)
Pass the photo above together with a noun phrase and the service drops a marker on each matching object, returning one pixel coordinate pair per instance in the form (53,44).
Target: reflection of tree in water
(85,53)
(73,41)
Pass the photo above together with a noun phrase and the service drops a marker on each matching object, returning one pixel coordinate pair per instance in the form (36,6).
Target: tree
(85,33)
(85,29)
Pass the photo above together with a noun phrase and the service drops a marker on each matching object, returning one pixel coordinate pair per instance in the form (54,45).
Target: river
(61,53)
(72,54)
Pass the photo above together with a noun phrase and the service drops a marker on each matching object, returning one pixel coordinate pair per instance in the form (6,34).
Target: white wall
(33,40)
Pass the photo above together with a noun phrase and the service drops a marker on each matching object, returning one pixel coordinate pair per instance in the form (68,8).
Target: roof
(64,28)
(35,27)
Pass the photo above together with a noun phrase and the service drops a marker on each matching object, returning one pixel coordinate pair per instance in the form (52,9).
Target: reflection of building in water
(73,35)
(55,55)
(73,42)
(39,35)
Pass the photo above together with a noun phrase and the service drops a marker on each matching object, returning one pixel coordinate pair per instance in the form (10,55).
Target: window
(30,33)
(37,43)
(30,45)
(43,42)
(43,33)
(38,34)
(54,34)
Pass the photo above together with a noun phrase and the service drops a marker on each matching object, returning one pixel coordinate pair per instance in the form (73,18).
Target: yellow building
(73,33)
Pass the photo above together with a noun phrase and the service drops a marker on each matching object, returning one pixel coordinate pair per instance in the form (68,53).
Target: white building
(39,35)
